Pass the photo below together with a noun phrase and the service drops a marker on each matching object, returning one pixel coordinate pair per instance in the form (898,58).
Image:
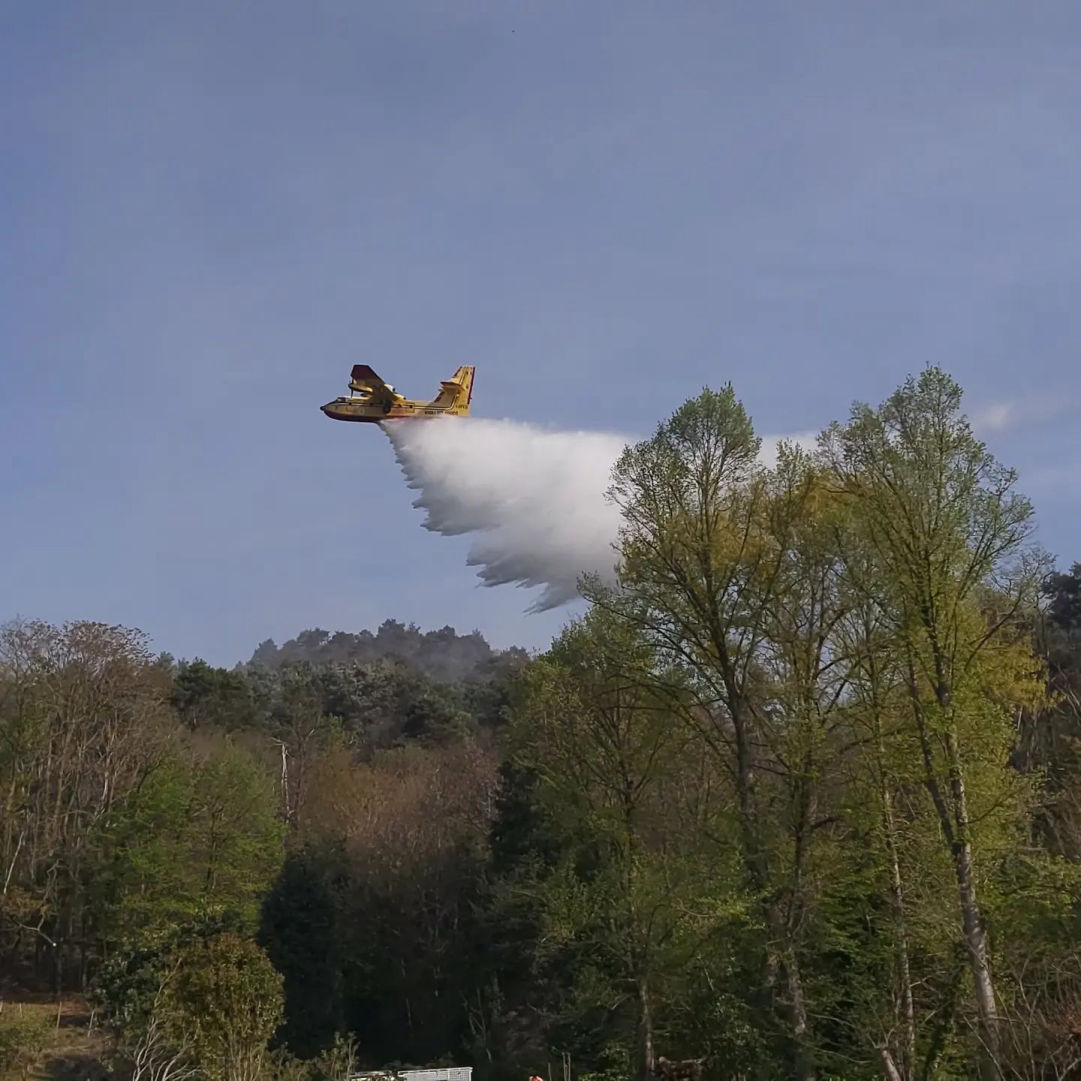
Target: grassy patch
(44,1041)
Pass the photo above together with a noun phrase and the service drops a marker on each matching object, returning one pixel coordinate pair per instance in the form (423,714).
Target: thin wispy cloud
(997,417)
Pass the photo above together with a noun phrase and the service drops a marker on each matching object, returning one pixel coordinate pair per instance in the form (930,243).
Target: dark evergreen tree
(300,931)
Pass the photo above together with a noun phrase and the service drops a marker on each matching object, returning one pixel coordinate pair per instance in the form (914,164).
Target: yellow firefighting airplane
(373,401)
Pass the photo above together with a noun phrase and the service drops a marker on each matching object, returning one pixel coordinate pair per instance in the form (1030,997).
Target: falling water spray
(533,498)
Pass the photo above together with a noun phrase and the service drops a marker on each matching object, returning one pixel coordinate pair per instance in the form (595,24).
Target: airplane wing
(364,378)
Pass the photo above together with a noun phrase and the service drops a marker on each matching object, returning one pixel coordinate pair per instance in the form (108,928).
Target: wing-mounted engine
(364,381)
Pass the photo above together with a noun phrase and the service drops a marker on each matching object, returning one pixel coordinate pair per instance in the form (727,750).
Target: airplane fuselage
(365,412)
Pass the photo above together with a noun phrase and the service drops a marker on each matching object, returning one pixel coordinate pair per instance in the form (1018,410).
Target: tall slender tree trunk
(803,1058)
(972,922)
(803,1051)
(889,1067)
(956,828)
(904,969)
(645,1054)
(976,942)
(954,821)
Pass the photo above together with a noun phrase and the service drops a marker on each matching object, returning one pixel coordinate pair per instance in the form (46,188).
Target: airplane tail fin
(457,391)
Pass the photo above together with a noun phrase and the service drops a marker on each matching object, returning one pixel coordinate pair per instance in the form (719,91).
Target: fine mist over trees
(800,797)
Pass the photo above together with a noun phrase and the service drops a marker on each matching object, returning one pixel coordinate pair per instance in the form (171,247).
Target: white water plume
(535,498)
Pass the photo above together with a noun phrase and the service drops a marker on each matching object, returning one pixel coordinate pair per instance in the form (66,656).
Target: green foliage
(227,997)
(128,984)
(339,1061)
(609,759)
(201,835)
(845,636)
(22,1039)
(282,1065)
(206,696)
(301,932)
(613,1064)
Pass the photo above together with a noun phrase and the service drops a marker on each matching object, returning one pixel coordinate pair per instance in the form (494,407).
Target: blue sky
(210,211)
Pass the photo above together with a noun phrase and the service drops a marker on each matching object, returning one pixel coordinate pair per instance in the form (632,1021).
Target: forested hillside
(443,654)
(802,798)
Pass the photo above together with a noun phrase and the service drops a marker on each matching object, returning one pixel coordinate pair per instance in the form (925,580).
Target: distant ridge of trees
(442,655)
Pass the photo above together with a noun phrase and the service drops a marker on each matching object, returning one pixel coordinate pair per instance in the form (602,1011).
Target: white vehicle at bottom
(445,1073)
